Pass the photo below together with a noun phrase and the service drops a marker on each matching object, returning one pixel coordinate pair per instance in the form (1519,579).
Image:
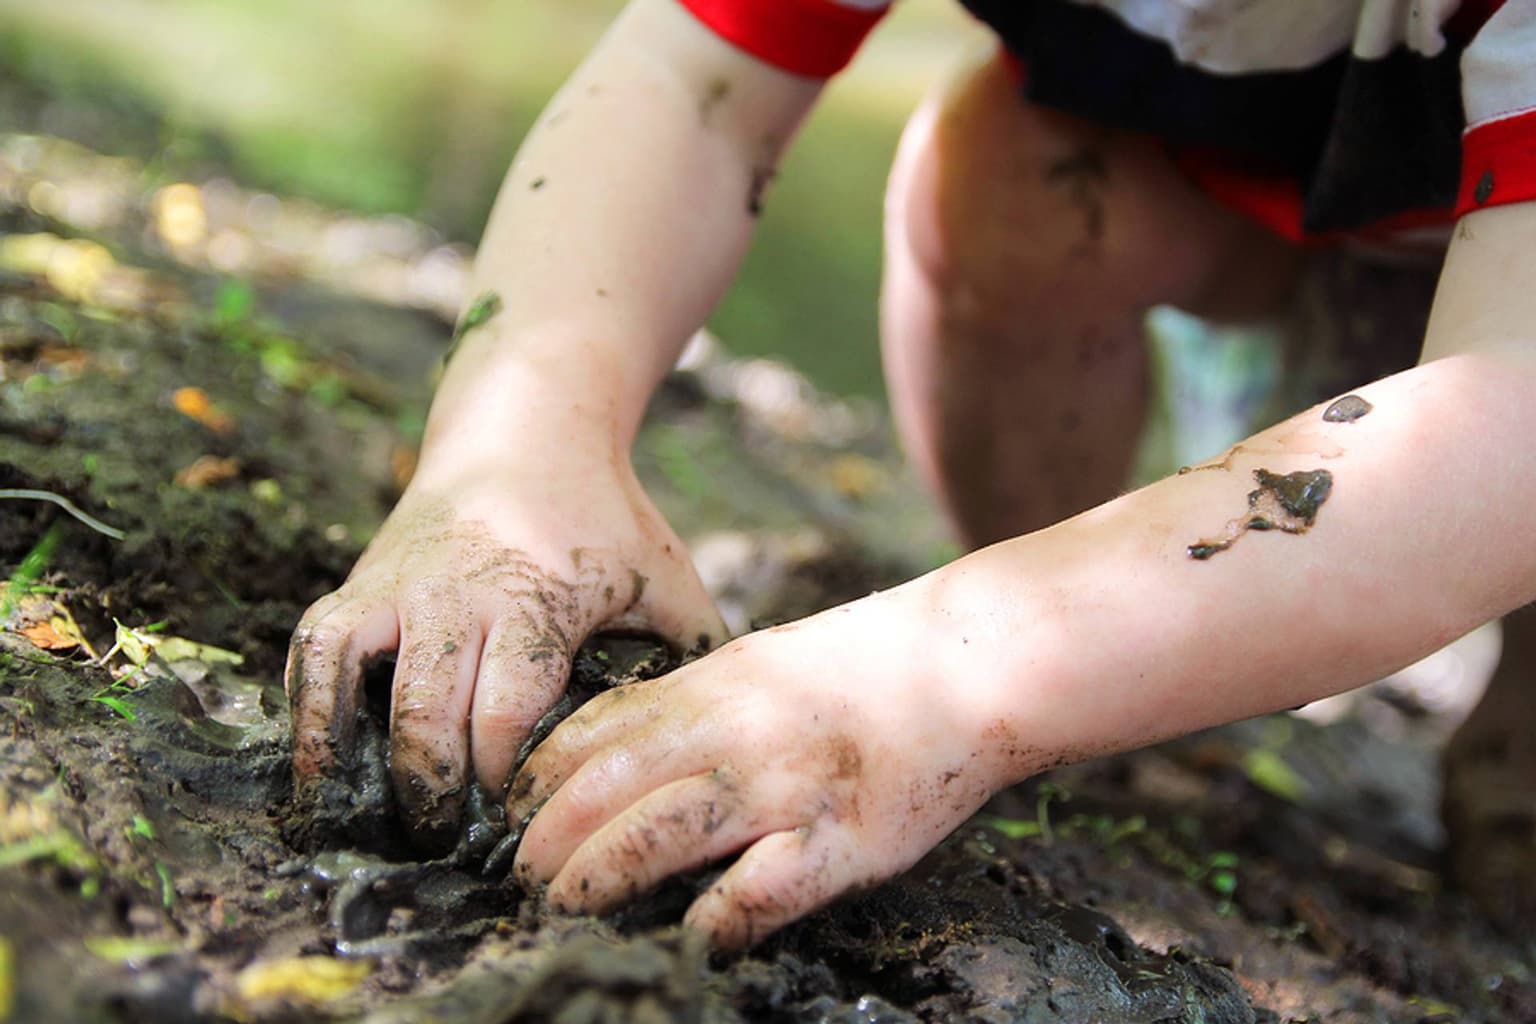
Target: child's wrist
(969,633)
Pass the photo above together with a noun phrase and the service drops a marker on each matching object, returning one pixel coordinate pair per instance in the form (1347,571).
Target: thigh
(1005,202)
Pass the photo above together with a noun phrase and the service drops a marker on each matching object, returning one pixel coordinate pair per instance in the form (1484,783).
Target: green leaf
(167,887)
(487,305)
(34,848)
(117,704)
(234,303)
(175,648)
(1013,828)
(1270,772)
(124,949)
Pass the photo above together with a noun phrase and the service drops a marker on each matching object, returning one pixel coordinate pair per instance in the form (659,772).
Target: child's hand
(835,752)
(486,582)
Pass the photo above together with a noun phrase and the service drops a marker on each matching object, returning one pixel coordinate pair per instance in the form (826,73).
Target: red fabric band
(1274,199)
(1498,163)
(814,38)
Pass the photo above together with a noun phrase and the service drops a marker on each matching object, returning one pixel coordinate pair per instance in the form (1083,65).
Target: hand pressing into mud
(486,582)
(831,753)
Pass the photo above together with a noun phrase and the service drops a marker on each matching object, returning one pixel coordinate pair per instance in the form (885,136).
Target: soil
(152,868)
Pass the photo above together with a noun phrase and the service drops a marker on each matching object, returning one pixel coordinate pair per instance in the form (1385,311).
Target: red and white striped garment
(1320,118)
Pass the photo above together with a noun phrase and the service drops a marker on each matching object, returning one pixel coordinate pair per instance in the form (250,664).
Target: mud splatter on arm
(1286,503)
(1347,409)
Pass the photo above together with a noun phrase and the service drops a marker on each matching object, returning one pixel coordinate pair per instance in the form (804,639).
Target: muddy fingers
(429,709)
(681,826)
(324,678)
(518,683)
(603,720)
(595,790)
(782,877)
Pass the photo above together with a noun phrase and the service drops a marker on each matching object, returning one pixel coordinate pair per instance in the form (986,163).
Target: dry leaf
(195,404)
(208,471)
(53,634)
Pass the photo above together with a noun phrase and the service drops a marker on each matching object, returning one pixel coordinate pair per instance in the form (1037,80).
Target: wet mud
(1347,409)
(155,864)
(1287,503)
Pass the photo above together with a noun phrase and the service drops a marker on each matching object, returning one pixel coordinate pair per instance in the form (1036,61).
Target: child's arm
(838,750)
(618,226)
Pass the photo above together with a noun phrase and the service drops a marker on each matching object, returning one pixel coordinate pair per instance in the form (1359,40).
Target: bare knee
(998,205)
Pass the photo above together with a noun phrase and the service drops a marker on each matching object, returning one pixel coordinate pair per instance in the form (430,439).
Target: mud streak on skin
(1287,503)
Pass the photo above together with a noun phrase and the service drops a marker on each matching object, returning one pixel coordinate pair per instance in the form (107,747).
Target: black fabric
(1395,142)
(1364,139)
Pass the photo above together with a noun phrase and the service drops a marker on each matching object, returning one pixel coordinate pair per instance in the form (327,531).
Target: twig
(65,504)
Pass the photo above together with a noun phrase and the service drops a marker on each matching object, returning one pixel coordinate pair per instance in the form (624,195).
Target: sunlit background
(414,108)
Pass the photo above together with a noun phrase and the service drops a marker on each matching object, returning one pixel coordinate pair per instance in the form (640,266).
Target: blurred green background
(416,106)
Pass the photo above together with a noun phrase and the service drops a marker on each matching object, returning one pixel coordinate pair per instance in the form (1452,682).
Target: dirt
(1347,409)
(1287,503)
(153,866)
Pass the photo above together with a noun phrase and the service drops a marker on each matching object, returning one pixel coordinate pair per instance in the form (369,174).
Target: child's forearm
(618,226)
(1104,633)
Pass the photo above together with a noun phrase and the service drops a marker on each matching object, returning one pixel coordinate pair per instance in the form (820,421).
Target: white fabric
(1498,71)
(1386,24)
(1237,36)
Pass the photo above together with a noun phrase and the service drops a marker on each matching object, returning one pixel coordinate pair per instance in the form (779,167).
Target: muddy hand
(827,751)
(486,588)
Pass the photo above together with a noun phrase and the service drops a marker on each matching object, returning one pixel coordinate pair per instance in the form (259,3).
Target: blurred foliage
(416,108)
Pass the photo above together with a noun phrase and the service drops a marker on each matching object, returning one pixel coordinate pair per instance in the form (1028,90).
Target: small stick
(65,504)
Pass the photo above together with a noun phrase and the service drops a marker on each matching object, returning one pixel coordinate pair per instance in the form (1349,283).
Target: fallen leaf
(43,621)
(176,648)
(195,404)
(129,950)
(132,644)
(1270,772)
(139,645)
(52,634)
(208,471)
(304,979)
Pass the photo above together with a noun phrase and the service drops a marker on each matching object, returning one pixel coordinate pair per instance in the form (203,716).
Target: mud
(1287,503)
(1347,409)
(1085,176)
(157,868)
(718,92)
(762,177)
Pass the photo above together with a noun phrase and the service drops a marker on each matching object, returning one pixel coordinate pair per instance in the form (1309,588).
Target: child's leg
(1023,249)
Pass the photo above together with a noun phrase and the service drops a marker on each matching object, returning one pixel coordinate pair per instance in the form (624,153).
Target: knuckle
(637,842)
(318,636)
(415,716)
(507,721)
(433,590)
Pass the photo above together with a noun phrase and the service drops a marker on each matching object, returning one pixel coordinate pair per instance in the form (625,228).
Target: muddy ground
(231,448)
